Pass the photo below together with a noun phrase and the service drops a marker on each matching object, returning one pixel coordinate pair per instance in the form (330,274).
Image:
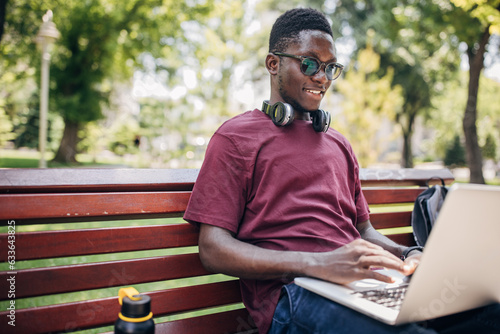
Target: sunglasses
(310,66)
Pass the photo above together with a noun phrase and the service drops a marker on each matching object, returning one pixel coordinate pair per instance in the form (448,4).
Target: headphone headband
(282,114)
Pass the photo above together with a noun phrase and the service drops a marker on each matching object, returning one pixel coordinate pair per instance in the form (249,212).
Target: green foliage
(216,59)
(479,19)
(27,130)
(489,149)
(369,101)
(123,136)
(174,132)
(445,119)
(200,52)
(5,127)
(488,123)
(486,11)
(101,42)
(455,154)
(414,40)
(101,39)
(106,41)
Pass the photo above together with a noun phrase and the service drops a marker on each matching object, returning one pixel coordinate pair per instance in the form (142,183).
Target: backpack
(425,211)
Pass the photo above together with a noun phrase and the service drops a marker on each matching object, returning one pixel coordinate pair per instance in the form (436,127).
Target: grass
(25,158)
(494,182)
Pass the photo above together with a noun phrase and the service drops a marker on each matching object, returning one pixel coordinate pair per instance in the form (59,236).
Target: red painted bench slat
(67,207)
(87,276)
(390,219)
(391,195)
(53,244)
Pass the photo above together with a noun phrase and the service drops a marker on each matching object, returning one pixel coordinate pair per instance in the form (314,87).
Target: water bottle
(135,316)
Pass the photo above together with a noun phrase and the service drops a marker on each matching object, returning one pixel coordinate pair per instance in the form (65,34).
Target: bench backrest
(56,264)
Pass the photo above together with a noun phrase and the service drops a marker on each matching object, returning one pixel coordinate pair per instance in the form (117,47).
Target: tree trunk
(67,149)
(407,159)
(474,156)
(3,10)
(407,155)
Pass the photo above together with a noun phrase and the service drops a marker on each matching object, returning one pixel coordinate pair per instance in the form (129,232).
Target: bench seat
(68,269)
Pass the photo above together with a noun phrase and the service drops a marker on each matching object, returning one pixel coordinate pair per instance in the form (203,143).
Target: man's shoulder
(339,137)
(245,122)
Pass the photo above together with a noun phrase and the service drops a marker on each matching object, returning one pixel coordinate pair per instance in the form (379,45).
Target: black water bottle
(135,316)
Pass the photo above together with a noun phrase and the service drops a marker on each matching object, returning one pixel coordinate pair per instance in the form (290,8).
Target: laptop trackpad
(372,284)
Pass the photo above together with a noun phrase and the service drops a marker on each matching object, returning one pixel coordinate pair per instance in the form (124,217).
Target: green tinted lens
(332,71)
(329,70)
(309,66)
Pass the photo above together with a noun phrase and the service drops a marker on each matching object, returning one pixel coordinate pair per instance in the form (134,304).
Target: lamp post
(46,37)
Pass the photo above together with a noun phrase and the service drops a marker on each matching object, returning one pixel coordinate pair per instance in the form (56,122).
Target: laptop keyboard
(390,297)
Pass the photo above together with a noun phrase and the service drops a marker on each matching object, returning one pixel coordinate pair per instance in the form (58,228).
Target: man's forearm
(220,252)
(369,233)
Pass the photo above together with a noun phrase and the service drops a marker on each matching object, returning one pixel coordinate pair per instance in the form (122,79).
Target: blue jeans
(302,311)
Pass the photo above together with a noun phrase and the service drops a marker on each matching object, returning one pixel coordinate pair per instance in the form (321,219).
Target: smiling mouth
(315,92)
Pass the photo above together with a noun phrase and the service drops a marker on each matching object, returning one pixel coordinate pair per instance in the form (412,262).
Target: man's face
(304,92)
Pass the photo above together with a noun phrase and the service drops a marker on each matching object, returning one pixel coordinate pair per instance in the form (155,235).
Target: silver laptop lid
(460,267)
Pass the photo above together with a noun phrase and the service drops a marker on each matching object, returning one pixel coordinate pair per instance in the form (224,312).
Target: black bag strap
(433,178)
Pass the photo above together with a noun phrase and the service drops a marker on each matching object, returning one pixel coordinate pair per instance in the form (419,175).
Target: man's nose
(320,76)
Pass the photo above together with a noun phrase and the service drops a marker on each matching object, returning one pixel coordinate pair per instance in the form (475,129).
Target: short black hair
(288,26)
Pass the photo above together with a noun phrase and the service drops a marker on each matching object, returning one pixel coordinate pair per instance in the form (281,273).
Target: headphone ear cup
(328,120)
(321,120)
(281,114)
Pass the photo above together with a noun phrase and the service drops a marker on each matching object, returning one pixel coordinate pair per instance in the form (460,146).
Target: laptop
(459,269)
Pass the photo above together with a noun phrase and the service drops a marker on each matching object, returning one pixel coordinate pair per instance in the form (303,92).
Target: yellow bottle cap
(129,292)
(132,294)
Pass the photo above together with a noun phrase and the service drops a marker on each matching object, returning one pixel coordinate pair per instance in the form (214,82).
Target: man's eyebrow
(315,55)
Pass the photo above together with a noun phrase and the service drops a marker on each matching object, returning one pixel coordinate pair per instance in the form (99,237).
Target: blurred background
(145,83)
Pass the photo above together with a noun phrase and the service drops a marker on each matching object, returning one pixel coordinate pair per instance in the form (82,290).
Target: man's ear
(272,63)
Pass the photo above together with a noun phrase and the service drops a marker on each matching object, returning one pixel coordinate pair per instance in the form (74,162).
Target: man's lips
(317,92)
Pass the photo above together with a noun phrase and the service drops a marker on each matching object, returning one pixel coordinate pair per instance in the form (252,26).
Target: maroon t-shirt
(282,188)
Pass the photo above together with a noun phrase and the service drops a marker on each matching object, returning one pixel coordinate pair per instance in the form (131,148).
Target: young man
(277,202)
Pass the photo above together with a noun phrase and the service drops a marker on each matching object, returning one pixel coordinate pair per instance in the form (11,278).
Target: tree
(446,122)
(455,154)
(18,62)
(212,69)
(489,149)
(101,42)
(413,39)
(484,19)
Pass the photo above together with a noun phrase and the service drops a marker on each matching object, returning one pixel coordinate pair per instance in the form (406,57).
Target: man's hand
(355,261)
(221,252)
(413,261)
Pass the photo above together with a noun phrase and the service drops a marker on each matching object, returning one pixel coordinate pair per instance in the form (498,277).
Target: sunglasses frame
(302,58)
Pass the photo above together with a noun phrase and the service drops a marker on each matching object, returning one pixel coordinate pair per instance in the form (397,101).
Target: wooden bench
(82,269)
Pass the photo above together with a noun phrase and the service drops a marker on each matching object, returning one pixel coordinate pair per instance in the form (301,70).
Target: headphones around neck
(282,114)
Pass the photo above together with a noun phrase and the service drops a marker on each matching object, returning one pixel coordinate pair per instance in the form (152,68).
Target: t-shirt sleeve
(362,209)
(363,212)
(219,195)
